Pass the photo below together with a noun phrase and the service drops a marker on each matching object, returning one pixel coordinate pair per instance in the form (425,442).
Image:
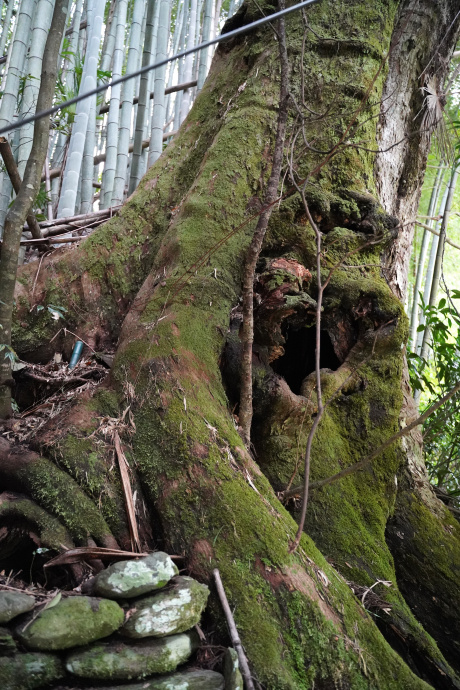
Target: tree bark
(163,281)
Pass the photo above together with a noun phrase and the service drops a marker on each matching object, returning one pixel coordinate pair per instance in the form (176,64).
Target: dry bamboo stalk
(171,89)
(60,225)
(236,642)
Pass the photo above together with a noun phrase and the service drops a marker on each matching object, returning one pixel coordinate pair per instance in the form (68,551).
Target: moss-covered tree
(163,281)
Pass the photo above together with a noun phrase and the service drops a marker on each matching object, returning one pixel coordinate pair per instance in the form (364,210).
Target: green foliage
(442,429)
(56,312)
(8,352)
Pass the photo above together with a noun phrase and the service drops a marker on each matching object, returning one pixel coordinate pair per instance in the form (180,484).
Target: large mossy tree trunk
(163,282)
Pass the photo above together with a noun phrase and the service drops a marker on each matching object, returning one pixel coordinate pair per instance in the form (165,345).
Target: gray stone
(29,671)
(233,677)
(128,579)
(12,604)
(189,680)
(72,622)
(7,644)
(124,661)
(169,612)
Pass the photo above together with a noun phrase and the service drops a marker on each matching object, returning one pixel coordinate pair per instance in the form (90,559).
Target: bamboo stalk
(170,89)
(158,115)
(421,261)
(71,177)
(124,125)
(100,158)
(75,222)
(236,642)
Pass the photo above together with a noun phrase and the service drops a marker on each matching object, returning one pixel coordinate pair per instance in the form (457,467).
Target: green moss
(72,622)
(119,661)
(58,494)
(29,671)
(52,533)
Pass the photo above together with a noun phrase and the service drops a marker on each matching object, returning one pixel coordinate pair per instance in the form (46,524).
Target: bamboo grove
(100,148)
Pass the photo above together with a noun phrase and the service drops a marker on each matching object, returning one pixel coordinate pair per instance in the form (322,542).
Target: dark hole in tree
(299,356)
(23,558)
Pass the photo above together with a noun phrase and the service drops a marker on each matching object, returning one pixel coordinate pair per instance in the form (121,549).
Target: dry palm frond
(433,122)
(129,499)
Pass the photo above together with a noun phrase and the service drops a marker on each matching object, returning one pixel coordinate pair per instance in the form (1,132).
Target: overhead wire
(183,53)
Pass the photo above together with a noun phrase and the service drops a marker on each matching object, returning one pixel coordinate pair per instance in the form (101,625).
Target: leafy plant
(8,352)
(442,430)
(56,312)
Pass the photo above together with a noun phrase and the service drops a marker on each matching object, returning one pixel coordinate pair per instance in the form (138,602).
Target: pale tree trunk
(137,168)
(158,116)
(168,292)
(415,316)
(124,129)
(14,72)
(71,174)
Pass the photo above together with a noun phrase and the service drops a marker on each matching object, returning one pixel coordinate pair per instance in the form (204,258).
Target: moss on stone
(29,671)
(72,622)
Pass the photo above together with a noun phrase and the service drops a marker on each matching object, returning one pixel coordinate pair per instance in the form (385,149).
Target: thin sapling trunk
(25,198)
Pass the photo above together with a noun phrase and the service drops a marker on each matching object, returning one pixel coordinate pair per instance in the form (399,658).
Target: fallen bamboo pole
(59,225)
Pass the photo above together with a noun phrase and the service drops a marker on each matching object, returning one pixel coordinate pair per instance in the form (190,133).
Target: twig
(66,330)
(36,275)
(236,642)
(368,459)
(433,231)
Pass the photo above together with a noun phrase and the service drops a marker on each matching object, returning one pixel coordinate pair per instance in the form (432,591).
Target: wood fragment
(131,513)
(236,642)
